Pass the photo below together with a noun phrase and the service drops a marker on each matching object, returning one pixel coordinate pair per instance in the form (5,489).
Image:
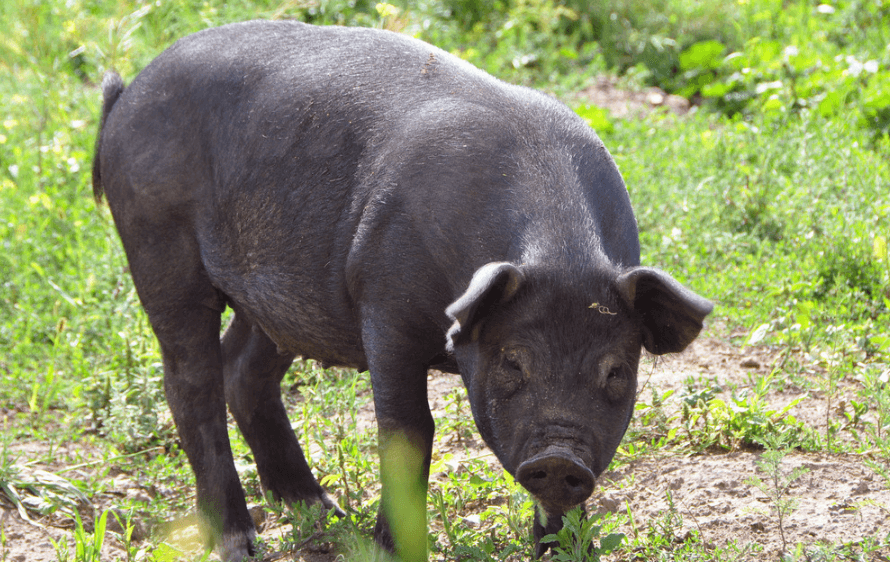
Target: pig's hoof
(329,504)
(237,546)
(383,536)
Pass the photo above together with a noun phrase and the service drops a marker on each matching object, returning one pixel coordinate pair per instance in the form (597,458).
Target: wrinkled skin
(367,200)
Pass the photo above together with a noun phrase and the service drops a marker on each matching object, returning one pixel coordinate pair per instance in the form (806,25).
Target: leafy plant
(125,522)
(876,391)
(457,424)
(743,420)
(87,546)
(579,539)
(664,530)
(778,482)
(312,526)
(651,424)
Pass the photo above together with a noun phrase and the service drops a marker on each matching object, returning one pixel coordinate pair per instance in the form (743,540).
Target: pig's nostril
(573,481)
(539,475)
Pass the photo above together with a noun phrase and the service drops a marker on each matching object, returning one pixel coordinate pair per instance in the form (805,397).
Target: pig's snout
(557,478)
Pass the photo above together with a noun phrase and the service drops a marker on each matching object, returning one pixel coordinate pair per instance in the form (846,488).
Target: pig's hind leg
(253,369)
(184,310)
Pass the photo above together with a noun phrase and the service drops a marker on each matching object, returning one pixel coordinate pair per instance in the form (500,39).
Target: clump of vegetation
(579,540)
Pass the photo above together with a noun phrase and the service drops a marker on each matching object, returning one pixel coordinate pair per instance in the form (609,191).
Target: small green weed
(497,531)
(663,540)
(661,536)
(312,527)
(747,418)
(778,482)
(580,539)
(126,523)
(708,420)
(664,530)
(87,546)
(651,426)
(876,391)
(457,423)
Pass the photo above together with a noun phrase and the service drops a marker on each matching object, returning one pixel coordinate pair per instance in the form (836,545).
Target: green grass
(775,219)
(773,199)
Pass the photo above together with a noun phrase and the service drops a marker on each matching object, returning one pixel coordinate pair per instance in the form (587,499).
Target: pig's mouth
(557,478)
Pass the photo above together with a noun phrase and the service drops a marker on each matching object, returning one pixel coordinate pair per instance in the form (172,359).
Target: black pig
(367,200)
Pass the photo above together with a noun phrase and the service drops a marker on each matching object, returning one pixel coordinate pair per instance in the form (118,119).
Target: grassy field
(771,197)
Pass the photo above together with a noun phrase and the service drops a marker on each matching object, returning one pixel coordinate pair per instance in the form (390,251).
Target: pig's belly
(301,313)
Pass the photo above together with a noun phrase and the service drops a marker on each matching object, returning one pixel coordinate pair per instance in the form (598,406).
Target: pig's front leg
(405,441)
(404,472)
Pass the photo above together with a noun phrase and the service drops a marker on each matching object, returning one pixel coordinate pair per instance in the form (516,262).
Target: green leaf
(716,89)
(879,248)
(697,82)
(596,117)
(99,532)
(165,553)
(881,341)
(13,495)
(792,404)
(705,55)
(877,94)
(477,481)
(611,542)
(831,103)
(772,104)
(550,538)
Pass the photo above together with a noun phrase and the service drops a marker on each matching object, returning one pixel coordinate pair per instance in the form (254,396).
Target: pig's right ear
(493,284)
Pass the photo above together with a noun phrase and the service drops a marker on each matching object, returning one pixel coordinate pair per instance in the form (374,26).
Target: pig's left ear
(671,314)
(493,284)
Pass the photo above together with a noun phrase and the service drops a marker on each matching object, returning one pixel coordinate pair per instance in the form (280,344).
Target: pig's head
(551,367)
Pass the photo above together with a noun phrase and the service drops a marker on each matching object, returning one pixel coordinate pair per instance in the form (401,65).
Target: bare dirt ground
(839,499)
(606,93)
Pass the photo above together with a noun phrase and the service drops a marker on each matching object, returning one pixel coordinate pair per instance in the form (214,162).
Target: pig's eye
(511,363)
(511,374)
(617,383)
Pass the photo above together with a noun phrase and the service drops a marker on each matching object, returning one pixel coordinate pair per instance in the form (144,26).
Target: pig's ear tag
(492,285)
(602,309)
